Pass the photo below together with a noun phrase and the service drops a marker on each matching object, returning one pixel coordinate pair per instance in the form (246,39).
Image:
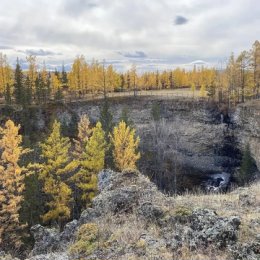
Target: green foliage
(106,120)
(33,203)
(59,95)
(106,117)
(18,85)
(125,117)
(247,167)
(86,242)
(28,91)
(156,111)
(70,129)
(8,95)
(182,211)
(64,77)
(211,91)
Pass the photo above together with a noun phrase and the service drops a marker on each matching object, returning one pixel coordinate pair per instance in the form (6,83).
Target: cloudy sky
(153,34)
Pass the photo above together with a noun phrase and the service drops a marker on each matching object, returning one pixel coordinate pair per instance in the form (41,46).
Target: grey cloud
(39,52)
(180,20)
(131,55)
(3,47)
(78,7)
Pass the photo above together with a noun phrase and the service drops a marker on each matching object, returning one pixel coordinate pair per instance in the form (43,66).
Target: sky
(152,34)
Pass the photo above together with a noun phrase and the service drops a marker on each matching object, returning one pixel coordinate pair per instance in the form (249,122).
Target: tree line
(238,79)
(60,179)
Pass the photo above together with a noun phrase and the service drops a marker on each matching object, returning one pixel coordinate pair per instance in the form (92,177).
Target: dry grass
(229,204)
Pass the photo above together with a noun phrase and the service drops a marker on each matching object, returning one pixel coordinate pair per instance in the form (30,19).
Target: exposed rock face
(196,135)
(131,219)
(247,117)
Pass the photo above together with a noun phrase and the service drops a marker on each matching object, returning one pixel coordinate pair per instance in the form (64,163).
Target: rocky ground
(130,219)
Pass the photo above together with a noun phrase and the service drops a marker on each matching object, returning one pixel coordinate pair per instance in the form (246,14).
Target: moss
(86,242)
(182,211)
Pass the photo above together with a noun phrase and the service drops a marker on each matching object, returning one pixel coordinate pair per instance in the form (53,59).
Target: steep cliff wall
(247,117)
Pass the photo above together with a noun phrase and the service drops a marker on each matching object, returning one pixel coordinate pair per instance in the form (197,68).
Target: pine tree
(54,171)
(125,145)
(126,118)
(28,91)
(18,84)
(106,119)
(11,186)
(64,77)
(8,95)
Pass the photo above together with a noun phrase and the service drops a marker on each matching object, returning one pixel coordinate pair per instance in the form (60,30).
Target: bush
(86,242)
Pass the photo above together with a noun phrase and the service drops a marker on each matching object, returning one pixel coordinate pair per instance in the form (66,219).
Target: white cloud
(126,29)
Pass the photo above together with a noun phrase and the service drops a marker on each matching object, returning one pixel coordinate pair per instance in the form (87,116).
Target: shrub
(86,242)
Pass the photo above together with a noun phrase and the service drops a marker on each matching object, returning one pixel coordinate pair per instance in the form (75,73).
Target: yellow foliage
(12,185)
(53,173)
(90,159)
(125,145)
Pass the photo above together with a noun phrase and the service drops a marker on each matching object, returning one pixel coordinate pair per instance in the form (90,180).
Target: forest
(237,80)
(56,181)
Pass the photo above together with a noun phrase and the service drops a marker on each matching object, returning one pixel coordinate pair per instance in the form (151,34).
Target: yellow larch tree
(11,186)
(78,74)
(203,92)
(6,74)
(55,83)
(32,72)
(89,160)
(125,146)
(54,174)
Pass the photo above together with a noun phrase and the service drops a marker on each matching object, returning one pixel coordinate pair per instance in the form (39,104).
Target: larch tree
(92,164)
(255,64)
(84,133)
(54,174)
(243,62)
(78,153)
(203,92)
(125,146)
(6,74)
(11,186)
(32,71)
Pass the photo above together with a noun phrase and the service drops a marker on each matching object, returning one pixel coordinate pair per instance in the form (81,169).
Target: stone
(46,239)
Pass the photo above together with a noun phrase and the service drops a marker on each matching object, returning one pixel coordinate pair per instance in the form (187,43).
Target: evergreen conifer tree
(8,95)
(18,85)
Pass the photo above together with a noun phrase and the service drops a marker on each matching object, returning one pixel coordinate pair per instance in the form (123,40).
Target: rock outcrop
(131,219)
(247,117)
